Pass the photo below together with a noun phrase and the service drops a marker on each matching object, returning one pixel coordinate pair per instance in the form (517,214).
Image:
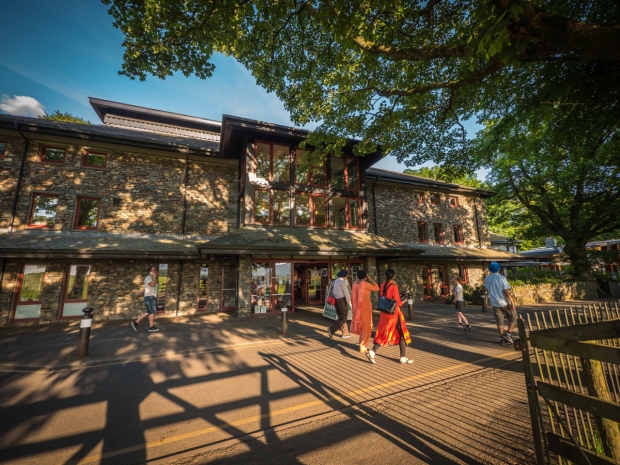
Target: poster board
(329,311)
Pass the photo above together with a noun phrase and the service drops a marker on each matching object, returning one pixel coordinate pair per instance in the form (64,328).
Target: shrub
(524,276)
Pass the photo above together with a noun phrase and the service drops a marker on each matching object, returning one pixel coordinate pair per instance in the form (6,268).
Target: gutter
(19,179)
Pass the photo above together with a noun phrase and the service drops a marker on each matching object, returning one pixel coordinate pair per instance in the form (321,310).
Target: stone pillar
(244,285)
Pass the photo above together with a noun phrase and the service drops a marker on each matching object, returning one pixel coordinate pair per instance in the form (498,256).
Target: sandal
(406,361)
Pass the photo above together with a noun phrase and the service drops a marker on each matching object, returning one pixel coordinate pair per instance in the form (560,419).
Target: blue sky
(59,53)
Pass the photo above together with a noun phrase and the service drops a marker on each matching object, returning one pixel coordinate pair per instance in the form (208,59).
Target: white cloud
(21,105)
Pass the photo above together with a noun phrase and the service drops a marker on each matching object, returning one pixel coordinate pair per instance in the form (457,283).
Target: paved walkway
(219,389)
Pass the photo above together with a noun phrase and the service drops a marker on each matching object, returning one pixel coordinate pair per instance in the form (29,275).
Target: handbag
(386,305)
(331,300)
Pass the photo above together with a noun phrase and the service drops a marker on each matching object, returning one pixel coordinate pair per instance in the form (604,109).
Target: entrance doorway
(311,282)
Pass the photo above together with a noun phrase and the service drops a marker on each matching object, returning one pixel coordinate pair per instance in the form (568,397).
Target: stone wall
(538,293)
(150,188)
(398,212)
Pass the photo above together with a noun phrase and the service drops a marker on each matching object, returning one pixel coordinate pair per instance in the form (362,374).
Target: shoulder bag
(331,300)
(386,305)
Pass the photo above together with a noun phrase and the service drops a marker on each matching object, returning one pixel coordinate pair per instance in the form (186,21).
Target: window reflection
(261,278)
(302,209)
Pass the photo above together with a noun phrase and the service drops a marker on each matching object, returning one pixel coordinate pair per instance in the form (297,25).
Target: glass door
(229,288)
(261,277)
(315,285)
(281,286)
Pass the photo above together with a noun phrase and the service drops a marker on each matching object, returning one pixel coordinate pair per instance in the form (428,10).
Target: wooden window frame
(310,172)
(437,197)
(271,144)
(456,200)
(424,224)
(6,146)
(29,224)
(42,150)
(18,289)
(271,221)
(346,173)
(206,308)
(65,286)
(77,214)
(347,213)
(459,235)
(442,239)
(222,308)
(427,290)
(91,152)
(311,206)
(419,197)
(465,275)
(444,284)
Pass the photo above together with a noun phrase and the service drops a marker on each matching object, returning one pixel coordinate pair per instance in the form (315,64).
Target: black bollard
(410,305)
(284,329)
(84,336)
(485,301)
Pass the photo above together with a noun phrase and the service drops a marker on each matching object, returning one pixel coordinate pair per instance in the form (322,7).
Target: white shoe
(370,355)
(405,360)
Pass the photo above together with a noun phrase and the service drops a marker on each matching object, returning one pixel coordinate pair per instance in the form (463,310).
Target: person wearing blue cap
(502,302)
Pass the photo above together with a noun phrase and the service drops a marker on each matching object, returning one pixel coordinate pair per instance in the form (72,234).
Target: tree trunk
(576,251)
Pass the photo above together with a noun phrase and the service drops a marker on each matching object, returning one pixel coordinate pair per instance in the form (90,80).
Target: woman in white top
(458,304)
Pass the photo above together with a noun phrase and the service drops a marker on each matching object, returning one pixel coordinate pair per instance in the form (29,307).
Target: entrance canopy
(258,240)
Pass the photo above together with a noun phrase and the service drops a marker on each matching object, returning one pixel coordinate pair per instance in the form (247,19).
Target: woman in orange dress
(391,329)
(361,321)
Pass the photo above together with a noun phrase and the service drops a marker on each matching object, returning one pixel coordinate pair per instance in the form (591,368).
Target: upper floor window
(418,197)
(453,200)
(311,210)
(43,211)
(438,233)
(2,148)
(309,169)
(272,207)
(434,198)
(87,213)
(347,212)
(458,234)
(422,232)
(94,160)
(273,162)
(52,154)
(345,172)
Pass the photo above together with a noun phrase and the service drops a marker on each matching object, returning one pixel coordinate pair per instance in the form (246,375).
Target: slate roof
(110,134)
(460,253)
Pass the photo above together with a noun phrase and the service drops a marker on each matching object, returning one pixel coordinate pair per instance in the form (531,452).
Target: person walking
(502,301)
(391,329)
(459,302)
(342,294)
(361,322)
(151,285)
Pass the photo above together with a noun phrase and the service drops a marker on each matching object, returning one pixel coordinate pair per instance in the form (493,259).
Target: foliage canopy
(66,117)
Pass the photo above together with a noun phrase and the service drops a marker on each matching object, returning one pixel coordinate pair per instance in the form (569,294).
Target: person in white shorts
(151,285)
(502,301)
(459,302)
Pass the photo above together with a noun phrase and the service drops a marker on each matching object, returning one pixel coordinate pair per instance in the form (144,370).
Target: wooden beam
(567,449)
(609,329)
(583,402)
(578,349)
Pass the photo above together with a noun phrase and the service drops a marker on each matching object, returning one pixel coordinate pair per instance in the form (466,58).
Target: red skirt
(387,334)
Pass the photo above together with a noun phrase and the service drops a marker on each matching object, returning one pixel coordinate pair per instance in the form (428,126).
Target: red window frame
(77,214)
(435,198)
(444,284)
(43,148)
(311,206)
(427,288)
(310,172)
(456,201)
(347,204)
(90,152)
(6,145)
(18,289)
(424,226)
(270,222)
(66,286)
(458,233)
(464,274)
(441,234)
(31,214)
(271,144)
(346,173)
(419,197)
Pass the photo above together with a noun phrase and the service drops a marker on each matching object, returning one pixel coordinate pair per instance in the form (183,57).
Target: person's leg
(401,343)
(340,317)
(152,319)
(499,319)
(462,317)
(512,320)
(142,317)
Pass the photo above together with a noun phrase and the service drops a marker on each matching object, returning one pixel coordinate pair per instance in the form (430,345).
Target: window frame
(271,175)
(65,287)
(29,224)
(456,200)
(465,274)
(424,224)
(42,150)
(345,172)
(310,172)
(347,199)
(437,197)
(458,227)
(230,268)
(311,196)
(442,239)
(271,221)
(6,146)
(419,197)
(18,289)
(77,214)
(206,307)
(92,152)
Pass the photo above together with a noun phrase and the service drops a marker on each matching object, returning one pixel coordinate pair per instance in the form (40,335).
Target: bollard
(410,305)
(485,301)
(84,335)
(284,329)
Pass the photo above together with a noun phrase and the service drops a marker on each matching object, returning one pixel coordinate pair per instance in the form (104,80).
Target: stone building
(236,216)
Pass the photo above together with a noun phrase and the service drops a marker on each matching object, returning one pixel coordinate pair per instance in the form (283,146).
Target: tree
(401,74)
(66,117)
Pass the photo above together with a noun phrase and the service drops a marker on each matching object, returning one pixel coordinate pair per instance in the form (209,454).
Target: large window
(203,288)
(29,292)
(310,210)
(229,288)
(162,288)
(52,154)
(345,172)
(273,162)
(438,233)
(309,169)
(94,160)
(272,207)
(76,291)
(281,208)
(43,211)
(422,232)
(347,212)
(87,213)
(458,233)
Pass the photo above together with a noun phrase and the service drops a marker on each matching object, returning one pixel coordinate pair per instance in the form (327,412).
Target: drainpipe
(185,194)
(477,224)
(374,204)
(19,178)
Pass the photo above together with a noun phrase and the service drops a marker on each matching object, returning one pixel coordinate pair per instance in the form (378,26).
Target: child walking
(458,304)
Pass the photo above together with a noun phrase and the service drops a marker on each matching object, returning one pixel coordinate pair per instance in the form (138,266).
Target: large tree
(65,117)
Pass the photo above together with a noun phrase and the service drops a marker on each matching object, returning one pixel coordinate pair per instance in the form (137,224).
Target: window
(422,232)
(419,197)
(52,154)
(347,212)
(427,281)
(162,287)
(43,211)
(302,209)
(438,233)
(261,287)
(311,210)
(203,288)
(273,162)
(463,274)
(229,288)
(434,198)
(76,291)
(262,202)
(458,234)
(2,148)
(309,170)
(345,172)
(453,200)
(94,160)
(272,207)
(281,208)
(87,213)
(319,211)
(29,292)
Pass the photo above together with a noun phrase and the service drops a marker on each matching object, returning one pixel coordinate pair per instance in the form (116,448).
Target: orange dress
(361,321)
(387,334)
